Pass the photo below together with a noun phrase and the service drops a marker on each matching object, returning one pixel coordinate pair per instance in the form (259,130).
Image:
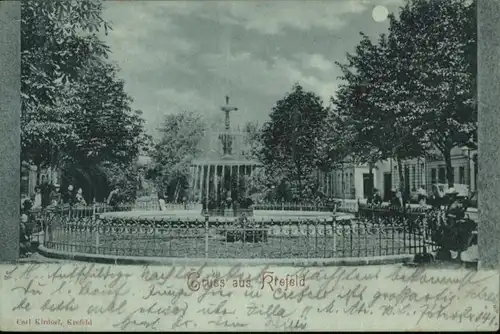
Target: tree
(125,177)
(414,89)
(253,139)
(437,43)
(105,128)
(181,134)
(75,112)
(291,139)
(58,40)
(336,142)
(373,106)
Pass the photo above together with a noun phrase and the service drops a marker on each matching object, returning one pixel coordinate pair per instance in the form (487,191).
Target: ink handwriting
(159,298)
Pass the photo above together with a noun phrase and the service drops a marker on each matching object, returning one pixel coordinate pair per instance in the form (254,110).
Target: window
(442,175)
(461,175)
(25,181)
(433,175)
(414,180)
(422,176)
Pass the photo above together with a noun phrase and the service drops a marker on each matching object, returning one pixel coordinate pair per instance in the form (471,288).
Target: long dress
(38,200)
(163,206)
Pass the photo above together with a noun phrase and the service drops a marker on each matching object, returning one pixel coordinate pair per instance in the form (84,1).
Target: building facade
(354,181)
(31,176)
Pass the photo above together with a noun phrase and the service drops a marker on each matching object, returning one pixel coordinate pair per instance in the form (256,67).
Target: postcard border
(10,140)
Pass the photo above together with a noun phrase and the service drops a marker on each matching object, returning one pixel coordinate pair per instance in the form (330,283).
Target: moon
(380,13)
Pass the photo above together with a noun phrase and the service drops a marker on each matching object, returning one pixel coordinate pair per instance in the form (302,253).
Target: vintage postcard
(244,166)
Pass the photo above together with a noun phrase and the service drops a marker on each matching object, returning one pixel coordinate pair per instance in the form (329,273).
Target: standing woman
(79,197)
(161,202)
(114,198)
(37,203)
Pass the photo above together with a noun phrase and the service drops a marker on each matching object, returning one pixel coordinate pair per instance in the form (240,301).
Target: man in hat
(455,207)
(45,190)
(422,196)
(55,195)
(395,199)
(69,195)
(376,199)
(114,198)
(24,235)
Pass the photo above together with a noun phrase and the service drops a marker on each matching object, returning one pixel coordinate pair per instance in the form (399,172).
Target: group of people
(395,199)
(50,195)
(47,194)
(438,198)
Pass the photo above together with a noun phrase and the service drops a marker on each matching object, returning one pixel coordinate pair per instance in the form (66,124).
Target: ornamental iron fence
(77,231)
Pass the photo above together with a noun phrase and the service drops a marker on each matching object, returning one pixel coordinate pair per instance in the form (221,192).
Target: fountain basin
(192,215)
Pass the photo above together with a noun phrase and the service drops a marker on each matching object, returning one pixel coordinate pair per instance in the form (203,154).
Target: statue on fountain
(228,205)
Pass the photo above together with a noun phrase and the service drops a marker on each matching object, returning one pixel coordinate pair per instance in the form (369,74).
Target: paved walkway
(37,258)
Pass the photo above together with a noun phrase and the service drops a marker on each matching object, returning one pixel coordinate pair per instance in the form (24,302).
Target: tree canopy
(414,89)
(181,135)
(291,139)
(74,107)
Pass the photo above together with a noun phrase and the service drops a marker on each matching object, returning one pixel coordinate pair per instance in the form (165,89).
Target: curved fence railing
(65,230)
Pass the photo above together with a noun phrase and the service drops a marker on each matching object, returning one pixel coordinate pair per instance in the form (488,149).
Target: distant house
(346,181)
(353,181)
(31,176)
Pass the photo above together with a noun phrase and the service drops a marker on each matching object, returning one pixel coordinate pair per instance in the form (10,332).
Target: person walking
(24,236)
(114,198)
(37,202)
(55,195)
(161,202)
(45,191)
(80,200)
(69,196)
(422,196)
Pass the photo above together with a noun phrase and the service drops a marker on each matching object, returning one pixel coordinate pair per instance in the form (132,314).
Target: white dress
(163,206)
(38,200)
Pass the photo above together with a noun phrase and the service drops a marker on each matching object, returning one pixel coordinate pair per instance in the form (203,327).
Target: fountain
(218,178)
(218,186)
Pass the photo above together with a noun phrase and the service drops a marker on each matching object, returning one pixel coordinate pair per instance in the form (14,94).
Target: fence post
(424,233)
(206,234)
(95,223)
(44,230)
(334,232)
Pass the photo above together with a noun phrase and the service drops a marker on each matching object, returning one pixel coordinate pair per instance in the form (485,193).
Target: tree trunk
(401,174)
(402,180)
(370,173)
(449,168)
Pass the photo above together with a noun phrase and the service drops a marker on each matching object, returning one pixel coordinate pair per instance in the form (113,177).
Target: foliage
(58,40)
(374,106)
(414,89)
(106,128)
(438,42)
(75,111)
(179,145)
(290,139)
(336,142)
(253,139)
(125,177)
